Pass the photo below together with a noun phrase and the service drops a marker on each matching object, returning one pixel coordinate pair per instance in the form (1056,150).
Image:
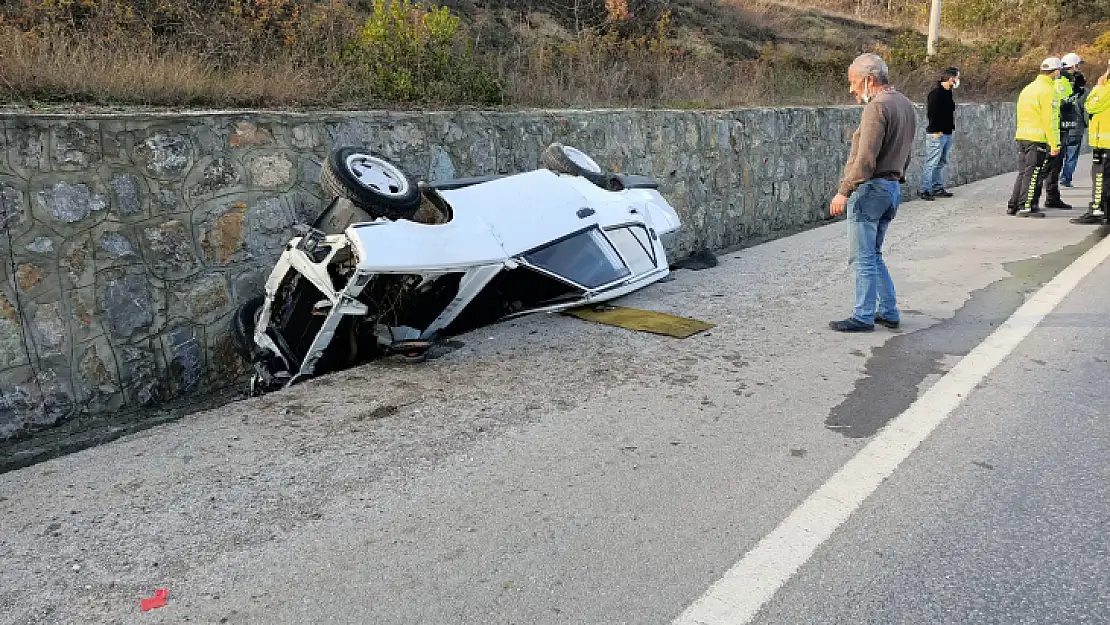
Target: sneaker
(883,321)
(927,196)
(1011,210)
(1027,212)
(851,324)
(1087,219)
(1066,184)
(941,193)
(1057,204)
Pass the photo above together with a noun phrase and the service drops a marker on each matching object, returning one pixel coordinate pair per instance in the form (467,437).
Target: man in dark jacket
(1069,120)
(1073,117)
(940,107)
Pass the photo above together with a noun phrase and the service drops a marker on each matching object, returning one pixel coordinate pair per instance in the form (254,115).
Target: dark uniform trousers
(1032,161)
(1053,168)
(1100,177)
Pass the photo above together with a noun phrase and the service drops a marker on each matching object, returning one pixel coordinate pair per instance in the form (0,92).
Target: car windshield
(586,258)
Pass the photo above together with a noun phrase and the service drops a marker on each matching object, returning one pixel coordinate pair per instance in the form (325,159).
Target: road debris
(157,601)
(642,320)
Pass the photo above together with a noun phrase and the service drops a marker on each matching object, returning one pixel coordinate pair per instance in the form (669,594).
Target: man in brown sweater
(871,189)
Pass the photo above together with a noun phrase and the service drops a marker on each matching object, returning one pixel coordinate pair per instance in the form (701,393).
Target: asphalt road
(1003,516)
(550,470)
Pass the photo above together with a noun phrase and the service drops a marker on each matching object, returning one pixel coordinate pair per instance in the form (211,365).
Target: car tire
(563,159)
(243,326)
(370,182)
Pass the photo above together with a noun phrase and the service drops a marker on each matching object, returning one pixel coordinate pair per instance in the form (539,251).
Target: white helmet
(1071,60)
(1050,64)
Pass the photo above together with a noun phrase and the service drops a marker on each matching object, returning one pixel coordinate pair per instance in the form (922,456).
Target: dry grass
(89,70)
(779,57)
(695,84)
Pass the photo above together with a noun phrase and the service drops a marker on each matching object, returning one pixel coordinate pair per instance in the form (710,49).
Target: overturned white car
(391,264)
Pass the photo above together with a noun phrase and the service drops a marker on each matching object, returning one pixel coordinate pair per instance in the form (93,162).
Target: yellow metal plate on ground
(641,320)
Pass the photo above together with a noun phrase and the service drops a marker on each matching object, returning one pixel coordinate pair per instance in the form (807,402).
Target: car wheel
(370,182)
(243,326)
(563,159)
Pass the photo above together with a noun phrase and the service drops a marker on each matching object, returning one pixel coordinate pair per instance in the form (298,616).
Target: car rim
(579,158)
(377,175)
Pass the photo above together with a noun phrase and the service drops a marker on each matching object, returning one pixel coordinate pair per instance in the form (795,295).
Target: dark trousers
(1100,177)
(1032,157)
(1053,166)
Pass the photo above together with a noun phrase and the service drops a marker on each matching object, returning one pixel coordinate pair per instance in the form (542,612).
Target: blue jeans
(936,157)
(1071,158)
(870,209)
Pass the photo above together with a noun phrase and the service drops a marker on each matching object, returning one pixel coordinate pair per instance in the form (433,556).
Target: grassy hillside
(548,53)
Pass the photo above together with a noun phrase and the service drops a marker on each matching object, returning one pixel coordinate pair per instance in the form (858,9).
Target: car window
(586,258)
(634,245)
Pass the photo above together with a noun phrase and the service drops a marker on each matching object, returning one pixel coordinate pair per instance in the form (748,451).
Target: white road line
(740,594)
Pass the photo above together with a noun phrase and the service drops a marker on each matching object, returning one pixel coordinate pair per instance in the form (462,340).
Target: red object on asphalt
(157,601)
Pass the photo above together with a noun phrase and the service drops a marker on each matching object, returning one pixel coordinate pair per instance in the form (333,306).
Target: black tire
(558,158)
(399,200)
(243,326)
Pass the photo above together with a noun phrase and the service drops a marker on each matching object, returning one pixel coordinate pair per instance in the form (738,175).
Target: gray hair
(871,65)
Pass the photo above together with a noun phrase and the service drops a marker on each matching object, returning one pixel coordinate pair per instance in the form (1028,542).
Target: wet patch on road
(895,370)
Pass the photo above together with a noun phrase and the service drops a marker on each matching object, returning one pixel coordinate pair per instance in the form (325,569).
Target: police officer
(1055,165)
(1098,107)
(1038,138)
(1073,117)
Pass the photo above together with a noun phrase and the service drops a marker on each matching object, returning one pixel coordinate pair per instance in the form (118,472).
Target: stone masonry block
(85,321)
(214,176)
(76,261)
(15,214)
(226,365)
(13,349)
(48,329)
(69,204)
(268,226)
(129,305)
(202,299)
(128,193)
(96,379)
(362,130)
(75,146)
(26,146)
(185,357)
(164,154)
(221,230)
(271,171)
(142,373)
(246,133)
(169,250)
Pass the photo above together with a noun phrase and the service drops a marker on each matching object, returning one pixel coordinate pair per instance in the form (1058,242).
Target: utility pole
(934,28)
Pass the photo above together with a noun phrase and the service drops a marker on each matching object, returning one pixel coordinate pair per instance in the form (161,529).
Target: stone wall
(128,240)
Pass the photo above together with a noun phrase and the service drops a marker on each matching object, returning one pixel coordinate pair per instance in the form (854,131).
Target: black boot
(1088,219)
(1094,216)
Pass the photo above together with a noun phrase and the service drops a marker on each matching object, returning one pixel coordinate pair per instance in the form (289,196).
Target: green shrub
(405,53)
(1101,45)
